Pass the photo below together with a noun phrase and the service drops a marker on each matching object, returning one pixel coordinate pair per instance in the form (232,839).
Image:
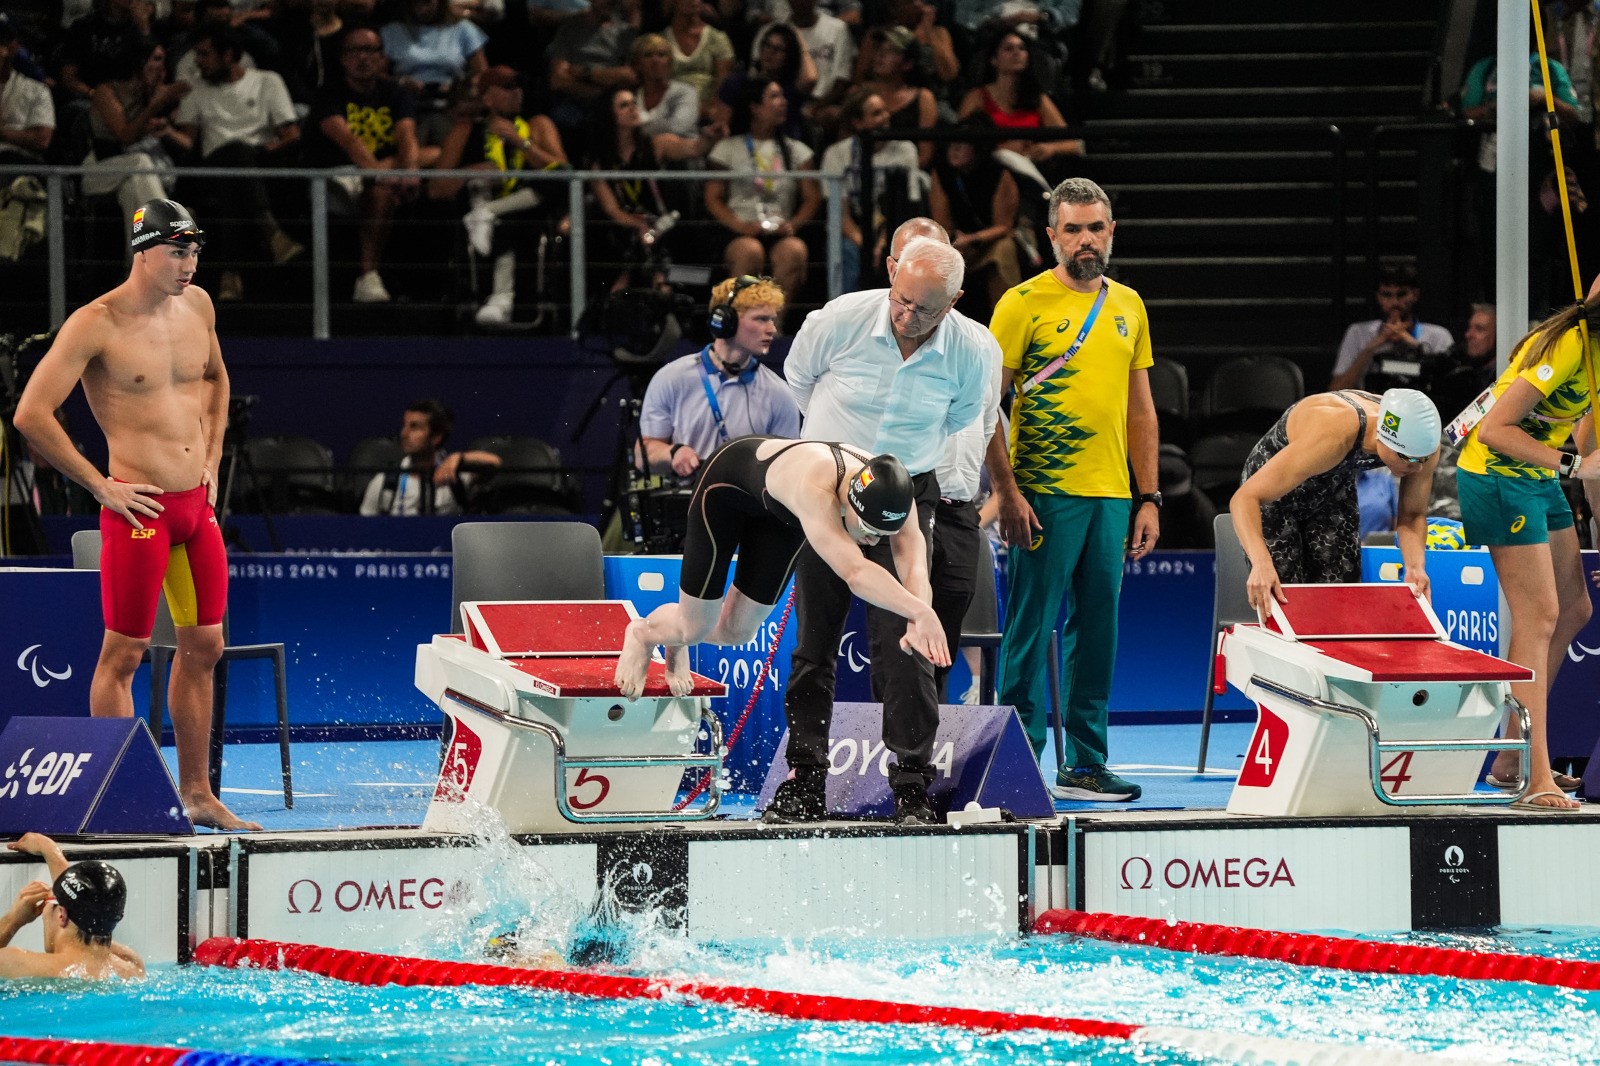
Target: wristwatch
(1570,463)
(1151,497)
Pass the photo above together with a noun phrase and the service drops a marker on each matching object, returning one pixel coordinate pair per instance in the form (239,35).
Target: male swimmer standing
(147,355)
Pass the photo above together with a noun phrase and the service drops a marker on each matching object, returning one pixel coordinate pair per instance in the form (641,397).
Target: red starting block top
(1353,611)
(576,677)
(514,629)
(1420,660)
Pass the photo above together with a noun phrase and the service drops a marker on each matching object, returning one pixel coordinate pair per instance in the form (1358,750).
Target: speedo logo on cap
(894,516)
(182,223)
(1391,423)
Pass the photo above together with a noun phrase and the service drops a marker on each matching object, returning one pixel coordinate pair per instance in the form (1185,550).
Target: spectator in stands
(429,480)
(588,59)
(919,19)
(1453,383)
(681,425)
(92,44)
(436,56)
(892,160)
(780,55)
(1395,333)
(833,51)
(257,48)
(669,109)
(892,71)
(240,118)
(311,39)
(366,120)
(1011,98)
(130,123)
(702,55)
(764,12)
(765,214)
(636,209)
(27,114)
(1044,23)
(500,139)
(80,909)
(975,199)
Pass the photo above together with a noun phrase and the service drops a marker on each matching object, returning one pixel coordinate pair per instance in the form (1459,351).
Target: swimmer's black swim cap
(164,222)
(93,895)
(881,494)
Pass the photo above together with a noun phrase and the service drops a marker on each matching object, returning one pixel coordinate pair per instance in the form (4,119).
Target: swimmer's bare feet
(633,663)
(680,682)
(209,811)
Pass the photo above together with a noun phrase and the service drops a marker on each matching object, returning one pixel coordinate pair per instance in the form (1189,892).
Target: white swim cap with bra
(1408,422)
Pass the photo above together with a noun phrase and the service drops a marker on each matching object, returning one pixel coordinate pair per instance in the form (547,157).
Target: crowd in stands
(776,86)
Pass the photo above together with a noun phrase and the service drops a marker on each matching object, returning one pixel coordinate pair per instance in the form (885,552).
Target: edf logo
(51,775)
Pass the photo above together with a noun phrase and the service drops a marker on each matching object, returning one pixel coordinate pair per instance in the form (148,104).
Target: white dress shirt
(853,386)
(961,469)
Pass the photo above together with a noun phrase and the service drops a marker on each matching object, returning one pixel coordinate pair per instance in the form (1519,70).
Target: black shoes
(912,806)
(802,798)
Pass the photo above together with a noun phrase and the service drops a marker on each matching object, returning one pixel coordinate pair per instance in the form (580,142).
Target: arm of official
(808,357)
(1144,452)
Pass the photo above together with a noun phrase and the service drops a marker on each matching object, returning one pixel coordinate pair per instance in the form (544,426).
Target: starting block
(540,733)
(1364,705)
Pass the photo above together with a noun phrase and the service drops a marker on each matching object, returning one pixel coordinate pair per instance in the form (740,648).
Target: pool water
(311,1017)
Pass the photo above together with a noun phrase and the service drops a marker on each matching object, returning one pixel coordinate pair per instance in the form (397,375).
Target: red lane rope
(1336,953)
(750,704)
(360,967)
(85,1053)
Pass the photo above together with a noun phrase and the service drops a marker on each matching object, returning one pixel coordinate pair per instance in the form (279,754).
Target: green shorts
(1511,510)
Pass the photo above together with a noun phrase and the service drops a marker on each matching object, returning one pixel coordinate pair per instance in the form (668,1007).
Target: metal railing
(55,178)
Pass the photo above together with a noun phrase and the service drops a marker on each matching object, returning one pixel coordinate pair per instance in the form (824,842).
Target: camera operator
(428,480)
(696,404)
(1393,344)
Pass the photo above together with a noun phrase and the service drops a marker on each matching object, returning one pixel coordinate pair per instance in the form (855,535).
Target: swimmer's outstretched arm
(872,582)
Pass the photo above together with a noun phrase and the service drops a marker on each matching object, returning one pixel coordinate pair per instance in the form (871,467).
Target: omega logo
(306,896)
(1254,871)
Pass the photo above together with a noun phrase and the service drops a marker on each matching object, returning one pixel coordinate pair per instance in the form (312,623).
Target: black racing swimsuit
(731,511)
(1314,530)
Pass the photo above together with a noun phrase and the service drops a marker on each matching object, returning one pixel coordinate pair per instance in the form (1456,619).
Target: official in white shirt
(889,371)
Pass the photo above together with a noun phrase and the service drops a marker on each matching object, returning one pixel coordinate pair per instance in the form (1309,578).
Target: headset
(723,320)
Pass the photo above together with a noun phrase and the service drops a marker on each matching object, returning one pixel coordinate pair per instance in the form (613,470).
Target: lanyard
(711,394)
(1083,334)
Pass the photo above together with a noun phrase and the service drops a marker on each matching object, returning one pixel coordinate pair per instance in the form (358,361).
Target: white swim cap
(1409,423)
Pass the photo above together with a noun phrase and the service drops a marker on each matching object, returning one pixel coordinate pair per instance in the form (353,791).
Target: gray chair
(981,626)
(164,645)
(981,629)
(524,561)
(1169,389)
(371,455)
(1228,606)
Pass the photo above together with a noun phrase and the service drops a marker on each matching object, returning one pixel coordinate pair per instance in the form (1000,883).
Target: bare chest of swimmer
(161,354)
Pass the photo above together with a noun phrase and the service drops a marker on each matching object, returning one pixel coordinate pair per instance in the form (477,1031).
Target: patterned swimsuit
(1314,530)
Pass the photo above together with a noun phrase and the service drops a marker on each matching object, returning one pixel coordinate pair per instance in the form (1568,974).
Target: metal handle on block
(1377,746)
(711,762)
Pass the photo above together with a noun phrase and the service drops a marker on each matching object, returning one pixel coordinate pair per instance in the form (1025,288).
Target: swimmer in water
(80,911)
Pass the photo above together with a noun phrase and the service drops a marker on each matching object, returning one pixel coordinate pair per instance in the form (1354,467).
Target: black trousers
(910,701)
(956,543)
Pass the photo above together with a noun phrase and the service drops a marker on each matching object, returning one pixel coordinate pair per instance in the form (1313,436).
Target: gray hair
(912,228)
(1076,191)
(944,260)
(1483,309)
